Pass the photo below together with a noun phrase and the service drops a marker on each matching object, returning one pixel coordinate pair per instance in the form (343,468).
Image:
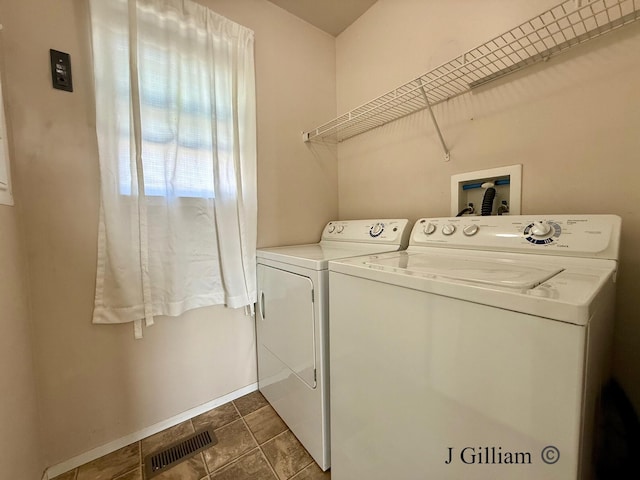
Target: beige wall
(572,123)
(96,383)
(295,63)
(20,455)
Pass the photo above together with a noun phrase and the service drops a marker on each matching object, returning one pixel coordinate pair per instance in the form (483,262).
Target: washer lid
(497,272)
(568,289)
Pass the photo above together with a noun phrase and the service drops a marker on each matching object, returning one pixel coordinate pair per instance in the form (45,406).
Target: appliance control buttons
(376,230)
(470,230)
(448,229)
(540,229)
(429,228)
(340,228)
(331,228)
(542,233)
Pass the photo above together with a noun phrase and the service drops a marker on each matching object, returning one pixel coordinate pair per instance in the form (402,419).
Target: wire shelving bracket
(554,31)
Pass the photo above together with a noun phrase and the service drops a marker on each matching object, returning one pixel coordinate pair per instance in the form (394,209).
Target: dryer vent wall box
(470,188)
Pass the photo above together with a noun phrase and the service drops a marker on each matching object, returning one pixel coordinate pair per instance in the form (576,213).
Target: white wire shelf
(554,31)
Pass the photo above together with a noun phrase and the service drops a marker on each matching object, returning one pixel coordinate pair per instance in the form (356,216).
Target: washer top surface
(343,239)
(499,272)
(559,279)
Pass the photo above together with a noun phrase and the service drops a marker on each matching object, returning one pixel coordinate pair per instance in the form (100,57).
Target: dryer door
(287,320)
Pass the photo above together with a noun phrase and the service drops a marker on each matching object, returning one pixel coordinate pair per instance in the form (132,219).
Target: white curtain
(176,127)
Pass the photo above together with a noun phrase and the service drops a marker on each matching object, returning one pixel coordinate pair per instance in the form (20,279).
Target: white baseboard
(98,452)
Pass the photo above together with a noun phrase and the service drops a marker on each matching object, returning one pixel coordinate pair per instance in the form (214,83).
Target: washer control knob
(340,228)
(470,230)
(540,229)
(448,229)
(331,228)
(429,228)
(376,230)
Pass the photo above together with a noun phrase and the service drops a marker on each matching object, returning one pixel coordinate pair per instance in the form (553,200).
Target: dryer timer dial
(376,230)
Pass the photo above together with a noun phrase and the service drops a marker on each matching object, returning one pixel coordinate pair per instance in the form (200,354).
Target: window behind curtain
(160,103)
(175,120)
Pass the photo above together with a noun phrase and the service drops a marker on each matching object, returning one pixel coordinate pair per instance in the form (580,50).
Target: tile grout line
(204,460)
(303,468)
(278,435)
(140,465)
(281,434)
(125,473)
(272,438)
(293,477)
(255,411)
(277,477)
(206,467)
(237,459)
(201,454)
(234,461)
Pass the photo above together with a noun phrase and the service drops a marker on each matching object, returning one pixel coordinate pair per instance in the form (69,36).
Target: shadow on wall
(618,447)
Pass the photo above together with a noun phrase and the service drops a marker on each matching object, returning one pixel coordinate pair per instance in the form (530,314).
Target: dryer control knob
(340,228)
(429,228)
(470,230)
(448,229)
(540,229)
(331,228)
(376,230)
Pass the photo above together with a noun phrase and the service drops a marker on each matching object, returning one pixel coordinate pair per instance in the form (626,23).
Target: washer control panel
(471,230)
(387,231)
(542,232)
(593,236)
(448,229)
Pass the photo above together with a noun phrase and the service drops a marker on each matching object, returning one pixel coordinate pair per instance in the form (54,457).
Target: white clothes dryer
(292,322)
(477,353)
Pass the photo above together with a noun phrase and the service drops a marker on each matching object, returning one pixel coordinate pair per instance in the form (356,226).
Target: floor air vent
(156,463)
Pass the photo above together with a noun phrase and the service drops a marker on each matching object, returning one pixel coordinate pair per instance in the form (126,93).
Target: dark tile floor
(253,443)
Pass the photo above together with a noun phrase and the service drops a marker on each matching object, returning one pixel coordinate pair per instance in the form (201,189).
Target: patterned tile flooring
(253,443)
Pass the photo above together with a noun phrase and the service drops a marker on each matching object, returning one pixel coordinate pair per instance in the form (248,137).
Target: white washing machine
(292,322)
(478,353)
